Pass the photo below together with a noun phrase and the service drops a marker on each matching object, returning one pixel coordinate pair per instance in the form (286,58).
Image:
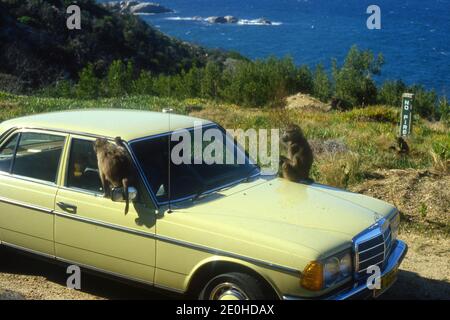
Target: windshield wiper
(251,173)
(204,186)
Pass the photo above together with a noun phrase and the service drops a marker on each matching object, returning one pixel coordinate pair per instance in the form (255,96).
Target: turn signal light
(312,277)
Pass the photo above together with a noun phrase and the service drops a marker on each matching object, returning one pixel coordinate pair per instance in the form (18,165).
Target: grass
(368,133)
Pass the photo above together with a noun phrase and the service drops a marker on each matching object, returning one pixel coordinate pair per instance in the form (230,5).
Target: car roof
(127,124)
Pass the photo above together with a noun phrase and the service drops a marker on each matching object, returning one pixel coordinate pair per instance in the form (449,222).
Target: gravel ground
(26,277)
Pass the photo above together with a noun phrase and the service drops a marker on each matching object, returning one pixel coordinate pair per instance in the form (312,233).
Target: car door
(29,166)
(93,231)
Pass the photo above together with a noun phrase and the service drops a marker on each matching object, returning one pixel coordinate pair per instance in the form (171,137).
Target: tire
(235,286)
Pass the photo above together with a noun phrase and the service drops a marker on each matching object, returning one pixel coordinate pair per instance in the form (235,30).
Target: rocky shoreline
(136,7)
(235,20)
(139,7)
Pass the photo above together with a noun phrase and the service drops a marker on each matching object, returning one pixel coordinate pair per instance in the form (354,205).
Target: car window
(83,167)
(38,156)
(83,171)
(153,157)
(191,178)
(7,153)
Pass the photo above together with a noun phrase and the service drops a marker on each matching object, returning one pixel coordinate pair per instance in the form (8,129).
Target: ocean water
(414,36)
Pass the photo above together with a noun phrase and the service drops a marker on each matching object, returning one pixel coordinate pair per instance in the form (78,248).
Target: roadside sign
(406,114)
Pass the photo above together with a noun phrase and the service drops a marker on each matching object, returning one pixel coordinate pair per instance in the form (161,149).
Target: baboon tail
(125,192)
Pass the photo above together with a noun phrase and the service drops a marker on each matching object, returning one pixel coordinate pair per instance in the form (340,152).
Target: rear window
(38,156)
(7,153)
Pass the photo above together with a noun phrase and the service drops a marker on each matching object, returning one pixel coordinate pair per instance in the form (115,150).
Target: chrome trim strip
(26,205)
(83,191)
(230,255)
(80,133)
(381,253)
(365,269)
(28,179)
(46,255)
(359,252)
(182,243)
(204,125)
(104,224)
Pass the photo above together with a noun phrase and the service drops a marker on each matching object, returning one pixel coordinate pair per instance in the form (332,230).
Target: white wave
(144,14)
(185,18)
(258,22)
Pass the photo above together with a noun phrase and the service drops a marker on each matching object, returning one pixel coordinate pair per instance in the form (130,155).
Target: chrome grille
(372,248)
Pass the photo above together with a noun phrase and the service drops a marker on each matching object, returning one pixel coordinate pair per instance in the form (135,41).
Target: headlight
(319,275)
(395,223)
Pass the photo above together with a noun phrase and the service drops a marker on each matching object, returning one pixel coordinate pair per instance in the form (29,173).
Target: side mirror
(118,196)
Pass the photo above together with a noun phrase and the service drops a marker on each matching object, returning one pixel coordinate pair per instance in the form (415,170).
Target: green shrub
(321,84)
(390,93)
(441,146)
(88,86)
(353,81)
(211,81)
(424,101)
(144,84)
(444,110)
(27,20)
(119,79)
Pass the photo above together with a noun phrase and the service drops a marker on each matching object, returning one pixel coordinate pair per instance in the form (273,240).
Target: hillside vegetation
(38,49)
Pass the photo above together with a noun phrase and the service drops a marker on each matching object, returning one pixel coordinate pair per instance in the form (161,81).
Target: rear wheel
(235,286)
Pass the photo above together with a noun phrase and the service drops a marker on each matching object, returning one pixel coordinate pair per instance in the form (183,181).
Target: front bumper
(360,290)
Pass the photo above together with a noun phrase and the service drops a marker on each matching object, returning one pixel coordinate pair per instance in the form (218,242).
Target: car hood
(310,220)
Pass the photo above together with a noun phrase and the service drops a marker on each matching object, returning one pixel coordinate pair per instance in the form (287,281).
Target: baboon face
(99,144)
(292,133)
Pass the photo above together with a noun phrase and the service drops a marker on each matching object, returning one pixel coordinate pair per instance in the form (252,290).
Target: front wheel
(235,286)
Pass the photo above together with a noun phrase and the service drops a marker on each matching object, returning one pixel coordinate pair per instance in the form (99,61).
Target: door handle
(67,207)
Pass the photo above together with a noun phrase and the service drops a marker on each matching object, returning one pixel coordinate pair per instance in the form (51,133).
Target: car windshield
(201,161)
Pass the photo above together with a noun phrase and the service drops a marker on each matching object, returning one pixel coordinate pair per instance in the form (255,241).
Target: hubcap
(227,291)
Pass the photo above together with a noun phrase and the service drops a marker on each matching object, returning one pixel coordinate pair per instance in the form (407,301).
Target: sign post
(406,114)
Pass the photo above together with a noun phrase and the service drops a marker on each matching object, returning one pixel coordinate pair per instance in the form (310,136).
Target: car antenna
(169,194)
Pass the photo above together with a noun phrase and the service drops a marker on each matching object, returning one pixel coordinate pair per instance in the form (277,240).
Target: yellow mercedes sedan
(210,231)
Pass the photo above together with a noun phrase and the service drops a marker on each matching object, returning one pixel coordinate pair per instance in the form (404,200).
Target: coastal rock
(235,20)
(136,7)
(231,19)
(148,7)
(216,19)
(264,21)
